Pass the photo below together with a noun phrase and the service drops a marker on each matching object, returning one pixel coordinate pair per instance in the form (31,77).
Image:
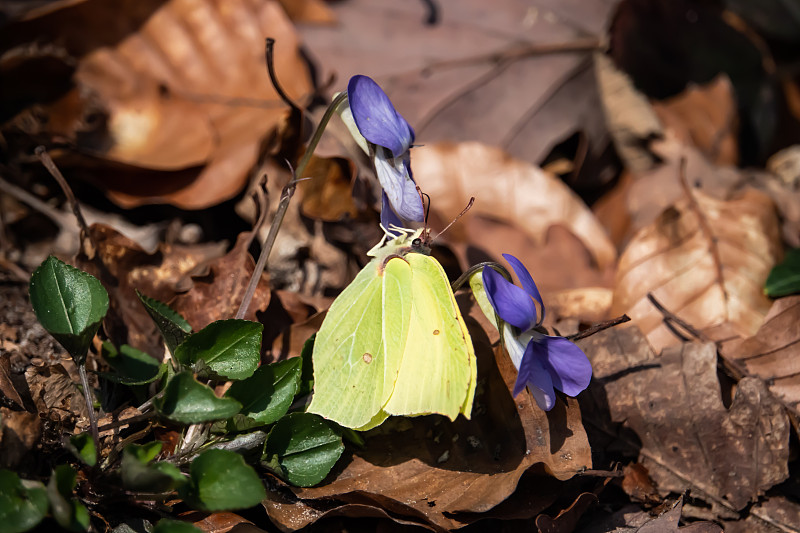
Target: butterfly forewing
(354,368)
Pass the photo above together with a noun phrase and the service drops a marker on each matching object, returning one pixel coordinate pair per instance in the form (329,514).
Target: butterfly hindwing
(438,370)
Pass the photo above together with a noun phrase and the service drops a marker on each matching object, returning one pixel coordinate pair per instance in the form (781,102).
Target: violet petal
(511,303)
(533,374)
(526,280)
(569,367)
(376,117)
(398,185)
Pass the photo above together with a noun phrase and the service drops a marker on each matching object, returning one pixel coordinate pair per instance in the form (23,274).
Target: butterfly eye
(416,243)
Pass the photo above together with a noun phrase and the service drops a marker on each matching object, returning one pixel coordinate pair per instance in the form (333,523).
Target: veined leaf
(173,327)
(267,394)
(21,506)
(187,401)
(69,303)
(220,480)
(227,348)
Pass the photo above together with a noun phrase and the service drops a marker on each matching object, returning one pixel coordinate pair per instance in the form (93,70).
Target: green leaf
(133,367)
(227,348)
(187,401)
(173,327)
(307,377)
(303,448)
(165,525)
(82,447)
(784,279)
(267,394)
(69,303)
(139,475)
(220,480)
(68,511)
(22,504)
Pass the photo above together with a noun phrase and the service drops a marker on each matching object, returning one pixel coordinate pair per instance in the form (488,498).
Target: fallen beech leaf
(705,116)
(180,85)
(506,189)
(705,260)
(689,439)
(217,293)
(629,115)
(773,353)
(567,519)
(654,190)
(7,386)
(309,11)
(19,434)
(518,75)
(328,195)
(159,275)
(446,474)
(778,510)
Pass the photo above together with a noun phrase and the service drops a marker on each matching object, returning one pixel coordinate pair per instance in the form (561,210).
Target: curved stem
(286,196)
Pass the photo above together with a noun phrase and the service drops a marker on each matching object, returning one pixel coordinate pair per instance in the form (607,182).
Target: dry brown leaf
(182,85)
(706,261)
(518,75)
(18,435)
(567,519)
(445,474)
(329,195)
(629,115)
(689,439)
(309,11)
(7,385)
(706,117)
(217,292)
(127,267)
(773,353)
(507,190)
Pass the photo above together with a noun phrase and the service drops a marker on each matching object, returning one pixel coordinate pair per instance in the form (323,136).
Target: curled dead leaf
(689,438)
(773,353)
(705,260)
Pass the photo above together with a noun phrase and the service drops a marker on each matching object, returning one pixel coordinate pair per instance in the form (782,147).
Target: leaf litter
(687,432)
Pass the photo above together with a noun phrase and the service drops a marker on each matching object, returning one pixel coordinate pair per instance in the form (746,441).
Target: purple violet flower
(543,362)
(390,136)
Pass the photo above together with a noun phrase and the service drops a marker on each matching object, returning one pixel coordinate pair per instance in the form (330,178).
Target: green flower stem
(87,395)
(286,196)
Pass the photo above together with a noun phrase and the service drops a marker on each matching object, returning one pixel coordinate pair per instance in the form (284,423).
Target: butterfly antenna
(461,214)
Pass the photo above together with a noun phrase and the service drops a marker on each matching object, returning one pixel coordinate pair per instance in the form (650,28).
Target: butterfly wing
(359,347)
(438,370)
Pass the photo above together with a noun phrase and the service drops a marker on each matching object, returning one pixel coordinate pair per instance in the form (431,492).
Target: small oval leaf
(165,525)
(302,448)
(133,367)
(70,513)
(21,507)
(69,303)
(187,401)
(267,394)
(220,480)
(173,327)
(82,447)
(230,349)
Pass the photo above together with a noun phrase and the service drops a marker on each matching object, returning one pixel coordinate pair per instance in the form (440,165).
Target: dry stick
(286,196)
(734,369)
(600,326)
(51,167)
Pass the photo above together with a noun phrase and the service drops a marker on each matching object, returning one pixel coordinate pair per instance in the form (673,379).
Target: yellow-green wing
(359,347)
(438,370)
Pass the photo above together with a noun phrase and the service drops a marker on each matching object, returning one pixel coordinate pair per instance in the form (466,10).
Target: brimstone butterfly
(394,342)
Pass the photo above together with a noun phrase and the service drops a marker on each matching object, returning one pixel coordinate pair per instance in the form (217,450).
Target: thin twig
(671,320)
(51,167)
(269,53)
(597,328)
